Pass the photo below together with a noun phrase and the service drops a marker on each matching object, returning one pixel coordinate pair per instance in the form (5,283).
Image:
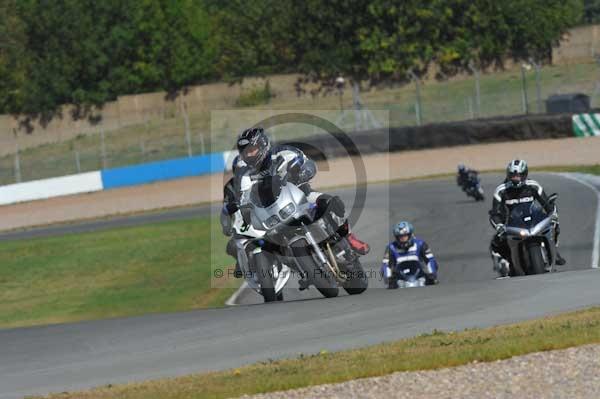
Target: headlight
(523,233)
(287,211)
(272,222)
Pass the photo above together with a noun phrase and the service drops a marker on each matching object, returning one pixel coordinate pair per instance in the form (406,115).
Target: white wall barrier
(54,187)
(116,177)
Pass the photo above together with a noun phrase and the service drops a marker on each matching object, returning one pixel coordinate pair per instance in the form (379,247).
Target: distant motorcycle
(530,237)
(472,187)
(278,232)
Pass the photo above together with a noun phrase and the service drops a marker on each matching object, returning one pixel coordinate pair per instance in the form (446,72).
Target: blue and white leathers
(396,260)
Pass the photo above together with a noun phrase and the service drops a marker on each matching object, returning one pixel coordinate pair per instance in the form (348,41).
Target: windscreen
(266,191)
(526,215)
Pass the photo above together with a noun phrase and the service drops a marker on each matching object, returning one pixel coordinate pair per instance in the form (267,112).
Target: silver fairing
(290,194)
(542,231)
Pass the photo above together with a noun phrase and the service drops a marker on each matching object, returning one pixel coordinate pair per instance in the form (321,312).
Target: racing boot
(360,247)
(237,273)
(501,265)
(303,282)
(431,279)
(390,279)
(560,261)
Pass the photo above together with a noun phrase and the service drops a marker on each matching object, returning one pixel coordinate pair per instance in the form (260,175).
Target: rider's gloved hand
(500,229)
(230,208)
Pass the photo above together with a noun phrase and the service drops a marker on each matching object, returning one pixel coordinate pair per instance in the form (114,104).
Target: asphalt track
(57,358)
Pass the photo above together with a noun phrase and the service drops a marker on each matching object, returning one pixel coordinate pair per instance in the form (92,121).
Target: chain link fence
(521,90)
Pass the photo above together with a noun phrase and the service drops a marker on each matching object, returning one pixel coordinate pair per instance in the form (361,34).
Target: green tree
(591,12)
(12,66)
(455,33)
(535,25)
(87,52)
(253,37)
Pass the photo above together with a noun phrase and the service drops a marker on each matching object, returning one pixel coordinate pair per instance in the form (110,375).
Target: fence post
(186,122)
(537,84)
(202,149)
(103,148)
(469,101)
(17,165)
(77,162)
(477,89)
(418,110)
(143,149)
(357,106)
(418,114)
(524,90)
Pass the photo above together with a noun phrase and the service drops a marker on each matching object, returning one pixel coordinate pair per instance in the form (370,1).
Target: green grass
(255,97)
(589,169)
(162,267)
(164,138)
(430,351)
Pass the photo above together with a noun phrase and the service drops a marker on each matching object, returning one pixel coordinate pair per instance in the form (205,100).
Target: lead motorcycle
(279,233)
(530,236)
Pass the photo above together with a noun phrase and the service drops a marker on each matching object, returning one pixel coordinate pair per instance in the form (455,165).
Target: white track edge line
(233,299)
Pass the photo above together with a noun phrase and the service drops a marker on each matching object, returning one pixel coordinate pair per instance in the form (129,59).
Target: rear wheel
(536,260)
(358,282)
(264,270)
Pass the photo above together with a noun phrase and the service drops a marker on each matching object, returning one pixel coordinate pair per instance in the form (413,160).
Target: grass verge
(161,267)
(430,351)
(590,169)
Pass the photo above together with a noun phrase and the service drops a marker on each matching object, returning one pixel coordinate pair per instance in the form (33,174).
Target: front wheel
(264,274)
(536,260)
(323,280)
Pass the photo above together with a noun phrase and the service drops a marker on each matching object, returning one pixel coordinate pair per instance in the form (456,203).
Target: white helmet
(516,172)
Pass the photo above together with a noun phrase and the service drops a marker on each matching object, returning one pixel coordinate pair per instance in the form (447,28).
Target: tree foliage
(12,58)
(87,52)
(591,12)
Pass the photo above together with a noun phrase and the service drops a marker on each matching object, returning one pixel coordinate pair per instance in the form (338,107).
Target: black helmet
(253,146)
(516,172)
